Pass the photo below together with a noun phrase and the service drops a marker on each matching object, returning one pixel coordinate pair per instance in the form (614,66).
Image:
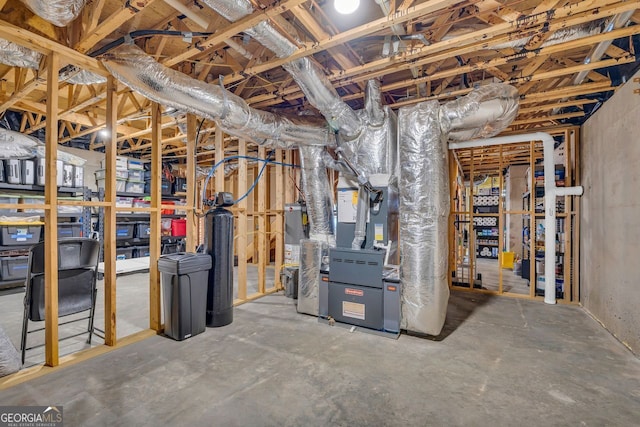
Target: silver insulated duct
(314,83)
(15,55)
(58,12)
(139,71)
(424,214)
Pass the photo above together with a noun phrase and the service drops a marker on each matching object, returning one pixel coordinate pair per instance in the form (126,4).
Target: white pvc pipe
(182,8)
(550,193)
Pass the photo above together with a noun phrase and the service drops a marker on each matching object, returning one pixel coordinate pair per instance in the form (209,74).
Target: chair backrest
(77,269)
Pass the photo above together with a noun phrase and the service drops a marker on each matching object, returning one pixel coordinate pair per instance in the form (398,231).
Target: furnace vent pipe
(550,193)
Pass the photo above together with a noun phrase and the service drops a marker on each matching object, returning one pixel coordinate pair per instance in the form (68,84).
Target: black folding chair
(77,272)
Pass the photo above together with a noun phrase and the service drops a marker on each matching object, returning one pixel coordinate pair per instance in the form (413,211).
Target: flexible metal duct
(318,194)
(424,213)
(58,12)
(482,113)
(17,56)
(559,36)
(139,71)
(77,76)
(311,79)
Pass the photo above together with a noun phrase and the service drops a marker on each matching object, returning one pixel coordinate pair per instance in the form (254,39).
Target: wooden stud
(192,238)
(472,231)
(241,229)
(110,216)
(262,225)
(278,228)
(156,218)
(51,216)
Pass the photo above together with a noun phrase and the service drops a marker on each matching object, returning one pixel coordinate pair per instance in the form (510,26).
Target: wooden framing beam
(233,29)
(192,224)
(44,45)
(241,229)
(261,217)
(127,11)
(156,218)
(51,217)
(110,322)
(278,226)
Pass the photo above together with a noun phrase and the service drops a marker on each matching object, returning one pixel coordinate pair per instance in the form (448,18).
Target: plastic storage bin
(179,227)
(142,251)
(14,268)
(32,200)
(124,230)
(78,176)
(134,187)
(69,229)
(2,171)
(165,226)
(143,230)
(8,198)
(180,185)
(120,174)
(124,253)
(28,172)
(184,278)
(19,234)
(13,171)
(135,175)
(135,164)
(167,187)
(121,184)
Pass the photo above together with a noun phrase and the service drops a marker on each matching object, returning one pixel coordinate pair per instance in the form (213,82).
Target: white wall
(610,215)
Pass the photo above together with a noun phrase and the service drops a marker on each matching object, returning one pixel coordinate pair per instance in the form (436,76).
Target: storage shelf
(27,187)
(143,215)
(134,195)
(40,214)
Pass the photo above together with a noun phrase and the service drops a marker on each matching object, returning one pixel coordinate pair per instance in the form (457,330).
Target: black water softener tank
(219,238)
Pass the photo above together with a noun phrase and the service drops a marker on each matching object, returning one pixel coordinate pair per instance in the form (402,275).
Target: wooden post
(192,238)
(262,225)
(453,174)
(278,227)
(51,215)
(472,230)
(241,229)
(156,217)
(110,216)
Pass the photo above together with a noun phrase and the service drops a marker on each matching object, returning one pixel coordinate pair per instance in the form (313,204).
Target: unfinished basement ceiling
(565,58)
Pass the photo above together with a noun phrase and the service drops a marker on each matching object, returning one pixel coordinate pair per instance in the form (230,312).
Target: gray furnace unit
(358,289)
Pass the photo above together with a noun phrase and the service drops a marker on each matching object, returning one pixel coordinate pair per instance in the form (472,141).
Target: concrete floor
(132,308)
(499,361)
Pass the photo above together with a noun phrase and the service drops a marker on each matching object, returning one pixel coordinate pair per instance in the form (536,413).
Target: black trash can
(184,286)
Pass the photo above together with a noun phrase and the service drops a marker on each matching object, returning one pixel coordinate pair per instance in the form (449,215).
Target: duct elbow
(483,113)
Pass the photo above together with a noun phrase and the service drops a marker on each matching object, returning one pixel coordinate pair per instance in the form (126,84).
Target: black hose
(144,33)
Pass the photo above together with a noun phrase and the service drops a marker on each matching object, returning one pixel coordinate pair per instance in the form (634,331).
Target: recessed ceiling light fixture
(346,6)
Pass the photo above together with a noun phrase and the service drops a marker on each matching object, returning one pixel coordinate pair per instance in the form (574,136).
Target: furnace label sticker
(353,310)
(379,228)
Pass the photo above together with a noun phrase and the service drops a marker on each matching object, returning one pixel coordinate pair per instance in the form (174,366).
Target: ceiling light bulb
(346,6)
(104,133)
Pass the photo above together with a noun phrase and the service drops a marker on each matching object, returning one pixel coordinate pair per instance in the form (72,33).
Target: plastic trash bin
(184,285)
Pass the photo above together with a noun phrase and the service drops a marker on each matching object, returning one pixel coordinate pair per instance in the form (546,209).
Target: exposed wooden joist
(44,45)
(127,11)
